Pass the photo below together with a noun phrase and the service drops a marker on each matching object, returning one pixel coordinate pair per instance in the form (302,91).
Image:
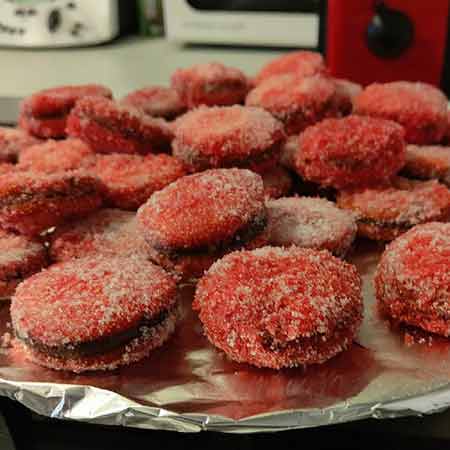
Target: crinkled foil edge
(99,406)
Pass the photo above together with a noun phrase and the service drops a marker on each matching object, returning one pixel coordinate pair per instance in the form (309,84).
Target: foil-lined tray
(189,386)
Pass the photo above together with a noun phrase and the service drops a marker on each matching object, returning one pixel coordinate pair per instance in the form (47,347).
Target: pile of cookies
(253,188)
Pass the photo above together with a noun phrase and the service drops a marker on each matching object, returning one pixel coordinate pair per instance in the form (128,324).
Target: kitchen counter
(123,65)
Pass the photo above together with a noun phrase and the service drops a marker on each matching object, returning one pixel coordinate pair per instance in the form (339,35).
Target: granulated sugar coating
(226,136)
(7,168)
(32,202)
(44,113)
(427,162)
(385,212)
(94,313)
(352,151)
(204,209)
(412,281)
(20,257)
(188,266)
(12,142)
(130,180)
(275,307)
(297,102)
(277,182)
(156,101)
(211,84)
(106,232)
(301,64)
(109,127)
(55,156)
(420,108)
(310,222)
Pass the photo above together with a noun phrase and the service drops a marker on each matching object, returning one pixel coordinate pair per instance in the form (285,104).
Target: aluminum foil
(189,386)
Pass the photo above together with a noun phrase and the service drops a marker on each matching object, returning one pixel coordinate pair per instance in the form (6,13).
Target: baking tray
(189,386)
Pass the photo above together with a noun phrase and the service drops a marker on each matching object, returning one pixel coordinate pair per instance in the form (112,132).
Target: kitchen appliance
(363,40)
(370,40)
(274,23)
(63,23)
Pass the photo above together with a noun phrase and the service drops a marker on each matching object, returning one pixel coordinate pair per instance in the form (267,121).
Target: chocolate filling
(53,116)
(97,346)
(271,154)
(202,162)
(270,344)
(400,226)
(226,86)
(73,190)
(245,234)
(16,276)
(442,176)
(446,179)
(128,133)
(302,116)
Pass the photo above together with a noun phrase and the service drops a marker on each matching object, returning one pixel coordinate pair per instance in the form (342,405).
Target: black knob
(390,32)
(54,20)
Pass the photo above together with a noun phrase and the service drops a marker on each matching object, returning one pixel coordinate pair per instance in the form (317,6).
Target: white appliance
(57,23)
(294,23)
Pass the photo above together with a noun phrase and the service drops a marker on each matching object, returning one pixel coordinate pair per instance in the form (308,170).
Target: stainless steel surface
(9,110)
(189,386)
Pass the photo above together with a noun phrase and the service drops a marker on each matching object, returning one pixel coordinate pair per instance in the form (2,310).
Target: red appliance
(370,40)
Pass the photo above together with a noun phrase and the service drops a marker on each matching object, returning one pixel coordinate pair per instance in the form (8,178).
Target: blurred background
(364,40)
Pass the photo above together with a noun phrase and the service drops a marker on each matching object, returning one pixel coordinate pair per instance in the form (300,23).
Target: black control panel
(298,6)
(17,18)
